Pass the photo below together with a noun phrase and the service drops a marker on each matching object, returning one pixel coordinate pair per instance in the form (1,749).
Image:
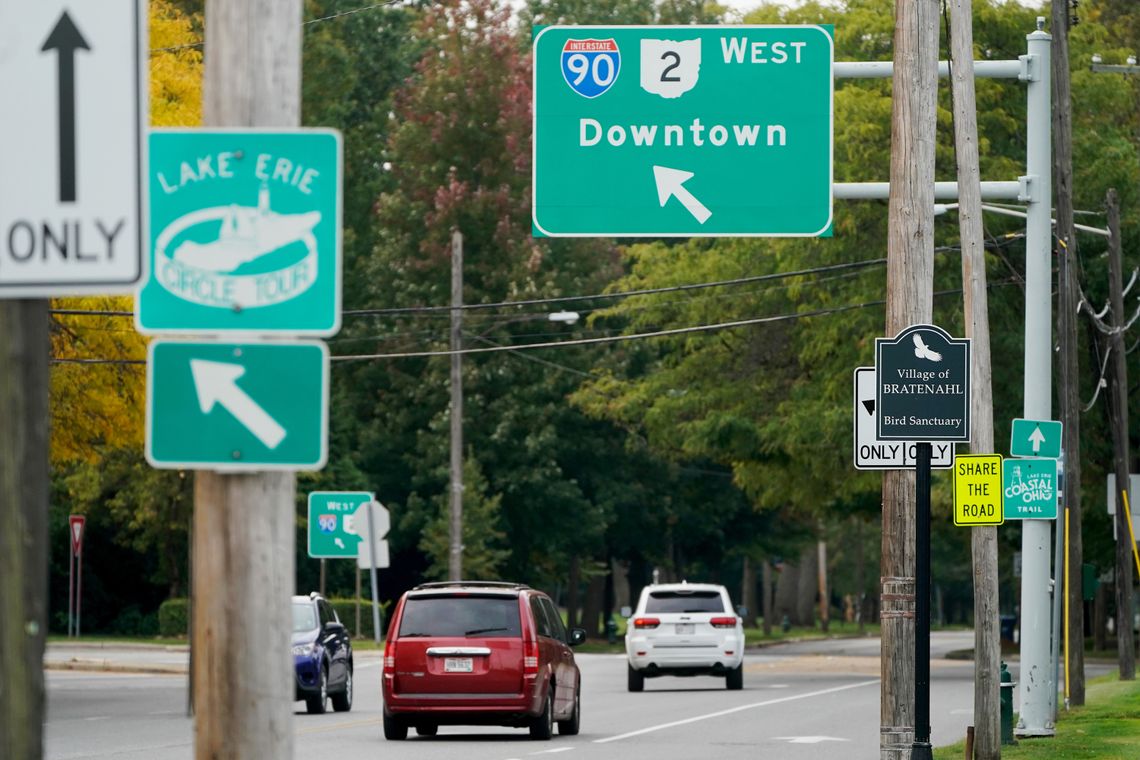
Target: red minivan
(480,653)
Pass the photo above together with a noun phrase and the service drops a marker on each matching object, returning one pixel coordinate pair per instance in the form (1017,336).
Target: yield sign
(76,523)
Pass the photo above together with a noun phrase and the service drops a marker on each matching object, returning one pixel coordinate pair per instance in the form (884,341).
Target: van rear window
(472,615)
(684,601)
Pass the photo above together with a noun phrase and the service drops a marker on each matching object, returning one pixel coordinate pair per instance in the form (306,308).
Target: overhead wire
(310,22)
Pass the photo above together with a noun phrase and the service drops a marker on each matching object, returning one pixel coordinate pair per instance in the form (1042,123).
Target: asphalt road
(817,701)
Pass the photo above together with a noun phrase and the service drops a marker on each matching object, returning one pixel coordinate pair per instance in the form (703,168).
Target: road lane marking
(730,711)
(552,751)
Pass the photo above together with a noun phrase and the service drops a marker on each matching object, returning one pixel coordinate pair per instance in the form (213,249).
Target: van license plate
(684,629)
(458,665)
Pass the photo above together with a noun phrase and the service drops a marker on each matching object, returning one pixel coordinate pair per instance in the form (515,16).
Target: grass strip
(1107,727)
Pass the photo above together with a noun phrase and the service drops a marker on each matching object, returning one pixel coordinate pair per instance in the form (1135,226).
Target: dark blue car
(322,655)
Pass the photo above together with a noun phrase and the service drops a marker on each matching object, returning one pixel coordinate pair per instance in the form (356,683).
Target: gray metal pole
(1034,680)
(372,575)
(1058,591)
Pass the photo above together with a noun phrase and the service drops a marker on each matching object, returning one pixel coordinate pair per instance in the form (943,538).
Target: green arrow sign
(1030,489)
(659,131)
(332,532)
(244,233)
(237,406)
(1035,438)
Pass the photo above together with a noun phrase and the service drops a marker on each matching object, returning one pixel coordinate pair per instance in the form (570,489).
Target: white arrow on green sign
(1035,438)
(237,406)
(658,131)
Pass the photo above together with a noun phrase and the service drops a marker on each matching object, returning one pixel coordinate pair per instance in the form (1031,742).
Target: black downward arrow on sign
(66,39)
(869,405)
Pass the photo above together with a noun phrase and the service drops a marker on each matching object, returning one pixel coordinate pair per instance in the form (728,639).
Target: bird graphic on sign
(922,351)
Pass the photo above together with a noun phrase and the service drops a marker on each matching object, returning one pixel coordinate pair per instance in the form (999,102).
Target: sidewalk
(122,657)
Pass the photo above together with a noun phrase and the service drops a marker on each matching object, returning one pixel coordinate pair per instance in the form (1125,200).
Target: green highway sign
(237,406)
(1035,438)
(659,131)
(245,233)
(1030,489)
(332,529)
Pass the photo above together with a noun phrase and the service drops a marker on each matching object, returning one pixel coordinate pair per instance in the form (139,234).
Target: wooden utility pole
(1066,239)
(24,348)
(244,538)
(455,556)
(1119,384)
(984,549)
(910,278)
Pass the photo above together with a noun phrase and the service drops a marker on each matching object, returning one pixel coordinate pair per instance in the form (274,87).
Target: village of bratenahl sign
(922,380)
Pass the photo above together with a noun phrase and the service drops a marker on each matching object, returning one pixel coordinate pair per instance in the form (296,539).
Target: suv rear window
(471,615)
(684,601)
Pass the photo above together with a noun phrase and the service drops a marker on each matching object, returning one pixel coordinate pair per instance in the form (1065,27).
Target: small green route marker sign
(660,131)
(237,406)
(1035,438)
(332,529)
(1030,489)
(245,233)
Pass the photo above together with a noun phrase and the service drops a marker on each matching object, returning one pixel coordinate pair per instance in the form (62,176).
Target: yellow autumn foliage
(98,392)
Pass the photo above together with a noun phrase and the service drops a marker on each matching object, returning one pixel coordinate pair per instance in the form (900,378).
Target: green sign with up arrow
(237,406)
(659,131)
(1035,438)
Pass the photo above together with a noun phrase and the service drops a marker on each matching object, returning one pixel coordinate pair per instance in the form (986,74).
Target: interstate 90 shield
(590,66)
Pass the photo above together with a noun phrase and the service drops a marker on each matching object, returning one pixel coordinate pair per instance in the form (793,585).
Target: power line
(553,300)
(583,341)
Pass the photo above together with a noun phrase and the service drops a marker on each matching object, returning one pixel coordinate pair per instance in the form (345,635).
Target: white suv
(685,629)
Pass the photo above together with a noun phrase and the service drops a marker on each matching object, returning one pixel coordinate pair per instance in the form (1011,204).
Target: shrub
(174,618)
(346,611)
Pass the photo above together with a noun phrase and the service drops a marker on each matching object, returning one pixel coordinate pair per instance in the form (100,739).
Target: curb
(103,666)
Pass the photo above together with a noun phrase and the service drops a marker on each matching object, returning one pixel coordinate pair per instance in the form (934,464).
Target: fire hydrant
(1007,684)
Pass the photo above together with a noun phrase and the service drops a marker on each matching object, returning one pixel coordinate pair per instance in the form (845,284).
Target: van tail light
(646,622)
(723,622)
(530,657)
(390,655)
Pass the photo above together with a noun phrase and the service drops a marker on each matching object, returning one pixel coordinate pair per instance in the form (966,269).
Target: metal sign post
(922,392)
(75,526)
(372,574)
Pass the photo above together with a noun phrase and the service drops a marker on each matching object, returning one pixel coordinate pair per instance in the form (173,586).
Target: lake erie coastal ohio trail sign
(659,131)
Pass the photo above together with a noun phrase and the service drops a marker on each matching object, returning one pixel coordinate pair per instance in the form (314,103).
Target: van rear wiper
(476,631)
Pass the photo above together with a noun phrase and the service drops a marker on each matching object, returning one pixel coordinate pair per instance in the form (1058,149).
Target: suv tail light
(723,622)
(390,655)
(530,657)
(646,622)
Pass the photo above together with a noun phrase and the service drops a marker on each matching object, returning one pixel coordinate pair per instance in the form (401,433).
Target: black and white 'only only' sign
(72,81)
(873,454)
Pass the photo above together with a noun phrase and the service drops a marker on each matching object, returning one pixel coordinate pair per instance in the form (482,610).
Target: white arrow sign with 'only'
(671,182)
(216,383)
